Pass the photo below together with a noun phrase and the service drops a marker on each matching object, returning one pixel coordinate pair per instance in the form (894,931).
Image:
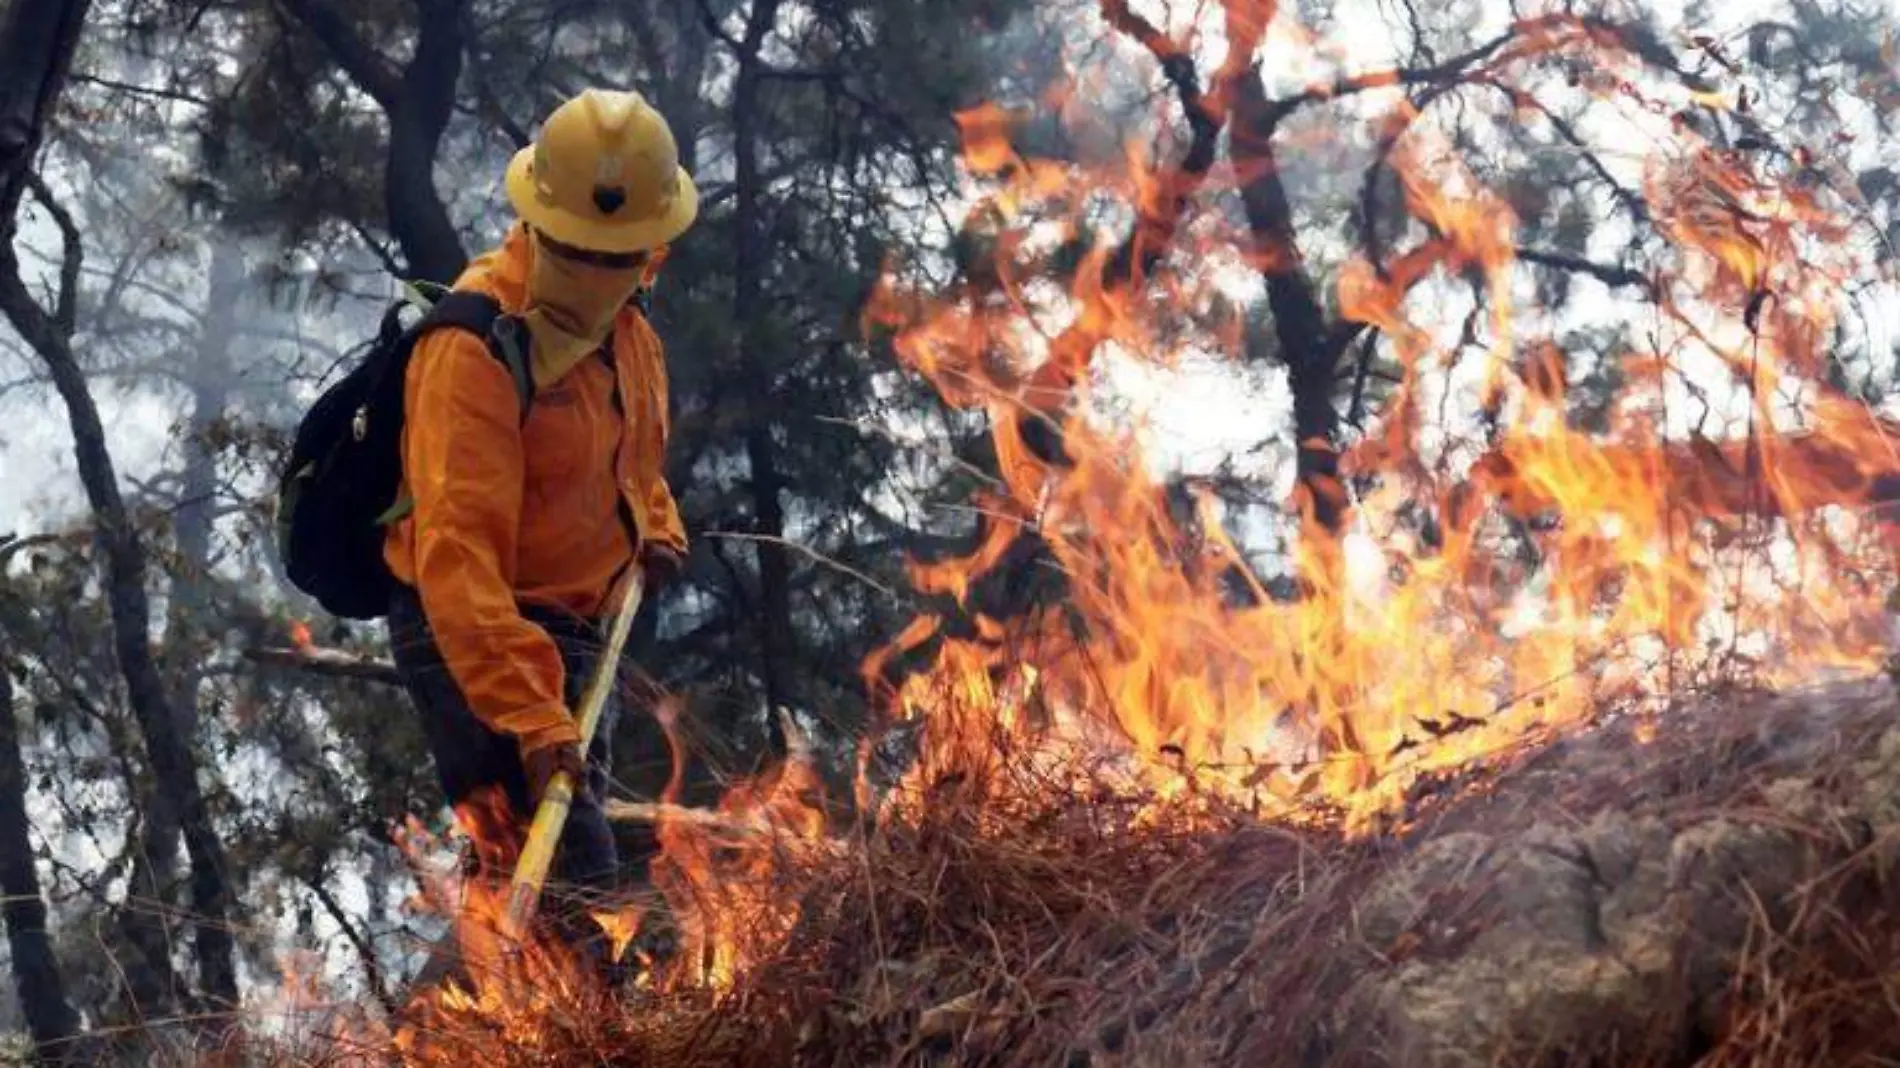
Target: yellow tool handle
(537,855)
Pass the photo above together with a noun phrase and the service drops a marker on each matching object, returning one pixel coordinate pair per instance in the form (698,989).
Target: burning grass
(1448,805)
(1716,888)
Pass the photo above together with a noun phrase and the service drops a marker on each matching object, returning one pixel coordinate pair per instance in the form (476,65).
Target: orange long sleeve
(659,514)
(462,447)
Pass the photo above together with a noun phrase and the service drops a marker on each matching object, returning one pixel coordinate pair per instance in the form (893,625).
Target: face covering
(571,308)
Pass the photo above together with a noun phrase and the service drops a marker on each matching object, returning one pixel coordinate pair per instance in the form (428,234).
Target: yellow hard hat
(604,175)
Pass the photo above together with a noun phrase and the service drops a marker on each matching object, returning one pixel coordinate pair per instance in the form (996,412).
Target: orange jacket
(506,512)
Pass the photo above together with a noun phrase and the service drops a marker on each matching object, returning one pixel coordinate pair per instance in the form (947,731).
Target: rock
(1537,968)
(1539,943)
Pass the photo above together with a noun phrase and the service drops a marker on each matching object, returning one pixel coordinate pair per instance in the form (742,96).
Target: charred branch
(66,299)
(1308,345)
(1610,275)
(1154,232)
(328,662)
(1369,203)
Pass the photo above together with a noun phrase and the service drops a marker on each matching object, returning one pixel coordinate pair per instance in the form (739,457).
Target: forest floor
(1716,886)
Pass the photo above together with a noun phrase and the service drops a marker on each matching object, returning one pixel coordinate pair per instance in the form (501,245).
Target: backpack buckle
(506,328)
(359,423)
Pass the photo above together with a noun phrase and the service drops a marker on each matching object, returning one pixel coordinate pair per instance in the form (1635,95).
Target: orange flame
(1672,557)
(1500,576)
(727,880)
(503,990)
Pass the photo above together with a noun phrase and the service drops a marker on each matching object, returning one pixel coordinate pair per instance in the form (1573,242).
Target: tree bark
(774,619)
(418,219)
(418,100)
(36,51)
(193,523)
(51,1020)
(1307,344)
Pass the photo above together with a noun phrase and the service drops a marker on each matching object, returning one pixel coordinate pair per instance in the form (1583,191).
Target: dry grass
(1723,895)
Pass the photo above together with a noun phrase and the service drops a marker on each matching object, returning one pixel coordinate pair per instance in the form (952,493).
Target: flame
(622,925)
(1498,577)
(523,994)
(726,880)
(1564,573)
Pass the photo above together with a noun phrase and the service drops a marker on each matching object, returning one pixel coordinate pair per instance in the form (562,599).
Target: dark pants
(471,760)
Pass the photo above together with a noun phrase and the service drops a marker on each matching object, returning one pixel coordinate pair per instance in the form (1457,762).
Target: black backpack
(336,495)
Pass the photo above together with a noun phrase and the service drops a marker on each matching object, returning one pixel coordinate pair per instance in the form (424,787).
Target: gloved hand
(659,565)
(541,764)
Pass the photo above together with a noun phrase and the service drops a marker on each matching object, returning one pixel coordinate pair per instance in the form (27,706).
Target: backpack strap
(481,315)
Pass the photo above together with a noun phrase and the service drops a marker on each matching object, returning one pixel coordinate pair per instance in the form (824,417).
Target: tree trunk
(419,101)
(767,483)
(177,801)
(418,219)
(194,518)
(50,1019)
(37,44)
(193,523)
(1306,343)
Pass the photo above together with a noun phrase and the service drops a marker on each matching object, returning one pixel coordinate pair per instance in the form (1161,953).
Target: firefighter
(524,528)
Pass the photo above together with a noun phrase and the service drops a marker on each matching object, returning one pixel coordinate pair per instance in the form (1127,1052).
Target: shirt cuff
(551,726)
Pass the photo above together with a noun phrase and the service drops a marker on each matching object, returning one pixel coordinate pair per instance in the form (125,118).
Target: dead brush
(1715,892)
(1822,988)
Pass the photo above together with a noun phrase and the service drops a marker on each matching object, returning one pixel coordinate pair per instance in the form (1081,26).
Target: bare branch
(327,662)
(711,21)
(1631,200)
(153,91)
(369,70)
(489,106)
(377,248)
(372,964)
(1451,70)
(814,554)
(1369,187)
(72,254)
(1613,276)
